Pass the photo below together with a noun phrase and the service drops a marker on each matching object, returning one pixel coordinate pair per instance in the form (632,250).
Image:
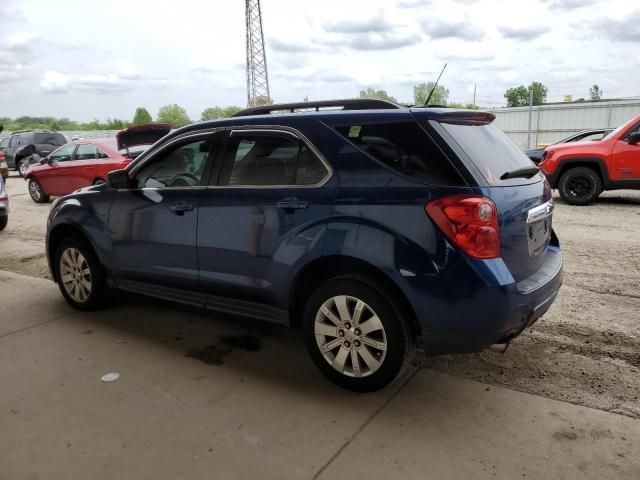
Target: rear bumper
(490,313)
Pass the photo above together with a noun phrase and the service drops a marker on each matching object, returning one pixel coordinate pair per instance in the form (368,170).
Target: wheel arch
(596,163)
(56,235)
(326,267)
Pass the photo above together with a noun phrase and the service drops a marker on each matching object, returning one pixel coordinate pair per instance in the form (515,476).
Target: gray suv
(22,147)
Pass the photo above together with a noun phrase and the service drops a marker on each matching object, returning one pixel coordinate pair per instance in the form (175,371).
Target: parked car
(87,162)
(535,154)
(581,171)
(27,146)
(4,169)
(367,224)
(4,205)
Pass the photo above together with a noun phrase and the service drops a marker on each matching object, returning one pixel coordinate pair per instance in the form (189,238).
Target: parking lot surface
(203,396)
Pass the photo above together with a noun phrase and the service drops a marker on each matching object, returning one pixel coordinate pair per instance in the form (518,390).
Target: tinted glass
(490,150)
(405,148)
(4,143)
(63,154)
(181,166)
(591,136)
(86,151)
(49,139)
(262,160)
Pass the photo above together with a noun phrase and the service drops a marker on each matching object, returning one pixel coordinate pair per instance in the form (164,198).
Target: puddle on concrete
(214,354)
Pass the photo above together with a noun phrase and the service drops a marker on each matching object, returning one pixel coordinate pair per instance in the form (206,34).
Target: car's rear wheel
(3,222)
(580,186)
(81,278)
(23,166)
(36,192)
(356,334)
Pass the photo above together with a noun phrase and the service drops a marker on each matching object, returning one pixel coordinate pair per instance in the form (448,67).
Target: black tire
(400,341)
(99,290)
(22,166)
(3,222)
(36,192)
(580,186)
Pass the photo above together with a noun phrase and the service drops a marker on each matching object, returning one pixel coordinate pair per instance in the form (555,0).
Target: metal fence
(550,123)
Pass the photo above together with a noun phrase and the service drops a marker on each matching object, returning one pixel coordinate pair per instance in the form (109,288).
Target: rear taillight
(470,222)
(4,198)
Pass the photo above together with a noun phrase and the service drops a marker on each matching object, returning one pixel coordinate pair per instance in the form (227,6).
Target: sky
(86,59)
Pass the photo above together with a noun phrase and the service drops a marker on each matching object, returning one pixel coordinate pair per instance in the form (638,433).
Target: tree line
(177,116)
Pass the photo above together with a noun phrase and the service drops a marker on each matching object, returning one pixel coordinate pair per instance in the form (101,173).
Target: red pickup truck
(582,170)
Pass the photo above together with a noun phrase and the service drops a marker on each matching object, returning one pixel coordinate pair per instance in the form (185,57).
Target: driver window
(178,166)
(63,154)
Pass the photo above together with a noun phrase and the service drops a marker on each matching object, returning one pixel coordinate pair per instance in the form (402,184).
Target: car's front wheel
(580,186)
(36,192)
(356,334)
(81,278)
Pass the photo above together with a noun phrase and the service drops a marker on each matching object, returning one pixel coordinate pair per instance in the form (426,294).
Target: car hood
(146,134)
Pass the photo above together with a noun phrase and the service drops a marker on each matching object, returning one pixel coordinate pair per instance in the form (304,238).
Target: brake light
(470,222)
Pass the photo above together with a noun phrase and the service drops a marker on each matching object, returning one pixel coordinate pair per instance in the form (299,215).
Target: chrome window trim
(242,129)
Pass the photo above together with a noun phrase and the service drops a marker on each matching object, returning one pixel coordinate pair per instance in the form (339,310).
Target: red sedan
(87,162)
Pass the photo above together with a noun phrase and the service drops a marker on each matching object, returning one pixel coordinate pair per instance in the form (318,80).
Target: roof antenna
(426,104)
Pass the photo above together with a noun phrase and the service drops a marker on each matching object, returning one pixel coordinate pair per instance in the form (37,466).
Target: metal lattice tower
(257,79)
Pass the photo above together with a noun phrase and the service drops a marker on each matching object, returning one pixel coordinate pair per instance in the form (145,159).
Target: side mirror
(634,138)
(118,179)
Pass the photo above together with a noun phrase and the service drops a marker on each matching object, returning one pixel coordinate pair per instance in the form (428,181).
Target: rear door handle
(180,208)
(292,204)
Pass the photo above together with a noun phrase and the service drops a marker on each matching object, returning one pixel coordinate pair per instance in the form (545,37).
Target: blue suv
(369,225)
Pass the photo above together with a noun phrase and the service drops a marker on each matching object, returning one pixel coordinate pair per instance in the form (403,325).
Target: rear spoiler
(466,117)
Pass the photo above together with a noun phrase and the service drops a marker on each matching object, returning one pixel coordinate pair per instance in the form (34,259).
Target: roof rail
(347,104)
(23,131)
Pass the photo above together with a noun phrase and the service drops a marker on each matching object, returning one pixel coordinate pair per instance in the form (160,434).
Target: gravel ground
(585,350)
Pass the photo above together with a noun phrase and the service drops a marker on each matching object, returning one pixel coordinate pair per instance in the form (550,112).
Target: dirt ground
(585,350)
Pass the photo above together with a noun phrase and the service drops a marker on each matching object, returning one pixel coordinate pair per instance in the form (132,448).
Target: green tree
(174,115)
(519,96)
(468,106)
(595,92)
(211,113)
(230,111)
(260,101)
(380,94)
(422,90)
(141,116)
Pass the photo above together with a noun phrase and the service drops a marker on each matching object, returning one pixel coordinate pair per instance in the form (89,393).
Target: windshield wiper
(525,172)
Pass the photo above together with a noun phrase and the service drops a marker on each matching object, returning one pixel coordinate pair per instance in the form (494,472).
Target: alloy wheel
(35,190)
(22,168)
(350,336)
(579,186)
(75,275)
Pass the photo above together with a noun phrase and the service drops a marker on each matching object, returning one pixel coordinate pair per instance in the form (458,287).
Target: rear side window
(45,138)
(492,152)
(405,148)
(270,160)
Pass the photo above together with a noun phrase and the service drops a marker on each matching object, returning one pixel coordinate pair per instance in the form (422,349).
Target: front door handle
(292,204)
(180,208)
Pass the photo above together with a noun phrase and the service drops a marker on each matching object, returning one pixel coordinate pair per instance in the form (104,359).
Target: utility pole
(530,117)
(474,94)
(257,78)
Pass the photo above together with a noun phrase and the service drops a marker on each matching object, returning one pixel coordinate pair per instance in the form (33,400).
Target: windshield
(490,150)
(622,127)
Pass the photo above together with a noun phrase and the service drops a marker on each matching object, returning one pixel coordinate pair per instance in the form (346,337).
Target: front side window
(86,151)
(4,144)
(269,160)
(63,154)
(178,166)
(405,148)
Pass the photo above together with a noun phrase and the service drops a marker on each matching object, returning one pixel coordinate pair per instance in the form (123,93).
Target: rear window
(56,139)
(490,150)
(405,148)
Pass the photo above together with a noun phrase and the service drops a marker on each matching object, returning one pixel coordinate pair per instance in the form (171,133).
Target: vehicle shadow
(249,350)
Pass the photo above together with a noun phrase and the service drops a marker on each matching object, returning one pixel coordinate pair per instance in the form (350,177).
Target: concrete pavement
(257,408)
